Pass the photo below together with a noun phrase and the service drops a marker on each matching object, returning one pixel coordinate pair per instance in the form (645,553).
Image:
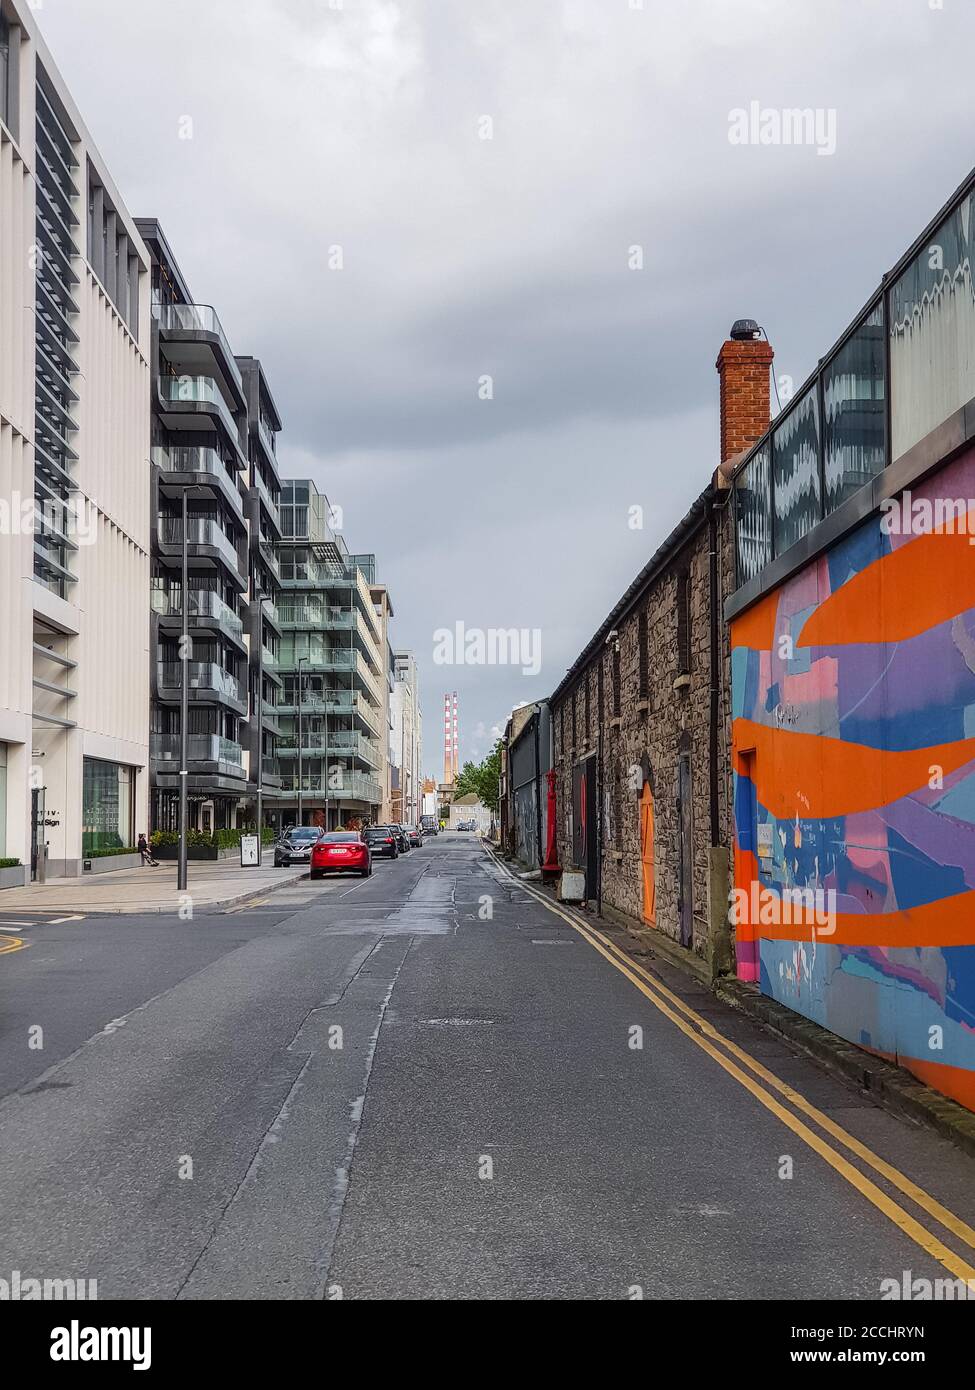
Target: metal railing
(197,318)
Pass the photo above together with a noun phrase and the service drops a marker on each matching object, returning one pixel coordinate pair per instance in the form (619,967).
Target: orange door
(646,855)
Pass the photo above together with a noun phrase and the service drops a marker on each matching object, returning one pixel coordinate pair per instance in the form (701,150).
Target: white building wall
(102,626)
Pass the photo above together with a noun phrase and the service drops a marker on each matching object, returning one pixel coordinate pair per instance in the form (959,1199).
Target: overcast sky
(360,124)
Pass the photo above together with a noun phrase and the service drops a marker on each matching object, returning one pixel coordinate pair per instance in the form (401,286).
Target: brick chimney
(743,366)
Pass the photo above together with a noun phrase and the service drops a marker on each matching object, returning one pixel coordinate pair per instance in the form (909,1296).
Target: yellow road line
(10,944)
(912,1228)
(898,1179)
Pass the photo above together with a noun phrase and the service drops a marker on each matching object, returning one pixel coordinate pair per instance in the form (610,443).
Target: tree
(481,779)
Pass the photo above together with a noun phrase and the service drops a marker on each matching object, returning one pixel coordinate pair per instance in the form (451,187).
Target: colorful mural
(854,763)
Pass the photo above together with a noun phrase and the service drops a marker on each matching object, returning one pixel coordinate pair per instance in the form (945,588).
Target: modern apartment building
(333,666)
(407,740)
(213,453)
(74,474)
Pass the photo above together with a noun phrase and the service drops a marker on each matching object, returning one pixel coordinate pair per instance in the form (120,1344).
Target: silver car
(295,845)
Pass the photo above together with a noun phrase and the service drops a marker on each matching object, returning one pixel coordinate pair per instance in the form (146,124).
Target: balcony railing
(196,458)
(267,434)
(317,659)
(355,786)
(204,603)
(902,369)
(202,390)
(202,675)
(197,318)
(201,531)
(265,493)
(202,748)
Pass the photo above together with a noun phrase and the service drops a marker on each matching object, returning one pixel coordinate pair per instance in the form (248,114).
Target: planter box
(111,865)
(13,878)
(195,854)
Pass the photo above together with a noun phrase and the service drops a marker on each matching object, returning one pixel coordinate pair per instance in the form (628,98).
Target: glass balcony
(199,390)
(204,603)
(202,748)
(202,531)
(197,318)
(267,434)
(203,676)
(265,494)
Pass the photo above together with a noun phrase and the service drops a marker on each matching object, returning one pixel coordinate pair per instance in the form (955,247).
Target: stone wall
(659,718)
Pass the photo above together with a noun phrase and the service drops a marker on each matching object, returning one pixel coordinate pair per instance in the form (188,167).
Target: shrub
(10,864)
(109,853)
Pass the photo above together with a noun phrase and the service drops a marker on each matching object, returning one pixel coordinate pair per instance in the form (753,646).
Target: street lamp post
(184,706)
(260,725)
(301,701)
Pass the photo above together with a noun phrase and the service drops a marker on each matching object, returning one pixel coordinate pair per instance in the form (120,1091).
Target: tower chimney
(743,366)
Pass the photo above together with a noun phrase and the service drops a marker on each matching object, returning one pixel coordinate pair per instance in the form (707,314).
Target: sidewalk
(139,891)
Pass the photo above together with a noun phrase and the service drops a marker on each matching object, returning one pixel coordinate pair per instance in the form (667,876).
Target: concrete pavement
(142,890)
(429,1085)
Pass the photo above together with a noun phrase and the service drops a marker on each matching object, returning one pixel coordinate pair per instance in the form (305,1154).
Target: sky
(488,251)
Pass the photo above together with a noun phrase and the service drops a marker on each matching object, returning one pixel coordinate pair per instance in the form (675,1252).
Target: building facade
(213,450)
(333,666)
(853,637)
(74,479)
(407,740)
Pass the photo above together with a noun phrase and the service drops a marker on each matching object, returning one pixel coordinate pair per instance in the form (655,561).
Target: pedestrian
(145,852)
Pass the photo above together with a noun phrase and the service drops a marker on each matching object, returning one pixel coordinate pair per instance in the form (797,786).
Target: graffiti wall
(854,764)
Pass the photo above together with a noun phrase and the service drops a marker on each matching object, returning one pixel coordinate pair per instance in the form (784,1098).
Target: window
(643,638)
(795,474)
(853,398)
(932,332)
(107,807)
(684,622)
(753,501)
(5,84)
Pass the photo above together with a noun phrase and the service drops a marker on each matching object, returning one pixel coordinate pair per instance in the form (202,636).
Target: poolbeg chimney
(743,366)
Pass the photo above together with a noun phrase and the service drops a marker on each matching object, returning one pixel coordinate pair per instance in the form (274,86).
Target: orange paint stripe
(901,595)
(817,778)
(756,626)
(947,922)
(956,1082)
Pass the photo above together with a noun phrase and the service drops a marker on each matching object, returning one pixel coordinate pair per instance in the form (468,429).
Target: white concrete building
(407,739)
(74,477)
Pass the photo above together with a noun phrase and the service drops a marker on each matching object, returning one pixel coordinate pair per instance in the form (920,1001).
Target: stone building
(641,722)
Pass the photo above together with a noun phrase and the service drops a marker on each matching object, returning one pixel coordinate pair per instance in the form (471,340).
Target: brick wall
(654,728)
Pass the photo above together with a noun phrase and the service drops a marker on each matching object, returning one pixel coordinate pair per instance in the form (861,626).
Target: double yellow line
(761,1083)
(10,944)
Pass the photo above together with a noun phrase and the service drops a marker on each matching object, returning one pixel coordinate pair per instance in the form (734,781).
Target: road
(429,1085)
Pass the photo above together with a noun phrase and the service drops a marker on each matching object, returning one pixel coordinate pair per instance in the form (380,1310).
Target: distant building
(470,808)
(407,739)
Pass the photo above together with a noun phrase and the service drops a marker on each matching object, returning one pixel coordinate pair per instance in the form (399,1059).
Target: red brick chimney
(743,366)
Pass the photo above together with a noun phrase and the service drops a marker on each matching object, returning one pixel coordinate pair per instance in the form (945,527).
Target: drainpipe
(538,785)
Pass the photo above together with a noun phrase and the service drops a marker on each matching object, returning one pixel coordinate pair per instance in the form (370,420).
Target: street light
(301,699)
(184,706)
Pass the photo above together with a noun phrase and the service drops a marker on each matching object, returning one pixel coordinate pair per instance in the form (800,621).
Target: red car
(341,852)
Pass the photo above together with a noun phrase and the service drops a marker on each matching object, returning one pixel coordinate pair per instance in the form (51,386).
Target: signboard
(250,852)
(765,846)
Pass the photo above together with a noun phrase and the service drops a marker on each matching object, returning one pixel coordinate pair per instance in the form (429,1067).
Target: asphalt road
(427,1085)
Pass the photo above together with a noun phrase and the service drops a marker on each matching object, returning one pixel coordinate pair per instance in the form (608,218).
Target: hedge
(109,853)
(10,864)
(196,839)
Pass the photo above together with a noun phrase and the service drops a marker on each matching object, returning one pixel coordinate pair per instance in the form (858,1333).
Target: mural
(854,764)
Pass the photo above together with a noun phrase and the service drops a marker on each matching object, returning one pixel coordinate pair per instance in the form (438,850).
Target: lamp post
(260,725)
(301,700)
(184,707)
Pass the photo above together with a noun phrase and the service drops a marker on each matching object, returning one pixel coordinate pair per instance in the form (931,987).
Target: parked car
(382,841)
(416,836)
(428,824)
(341,852)
(467,825)
(295,845)
(403,839)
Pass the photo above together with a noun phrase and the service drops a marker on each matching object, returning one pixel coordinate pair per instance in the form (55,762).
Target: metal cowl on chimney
(745,330)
